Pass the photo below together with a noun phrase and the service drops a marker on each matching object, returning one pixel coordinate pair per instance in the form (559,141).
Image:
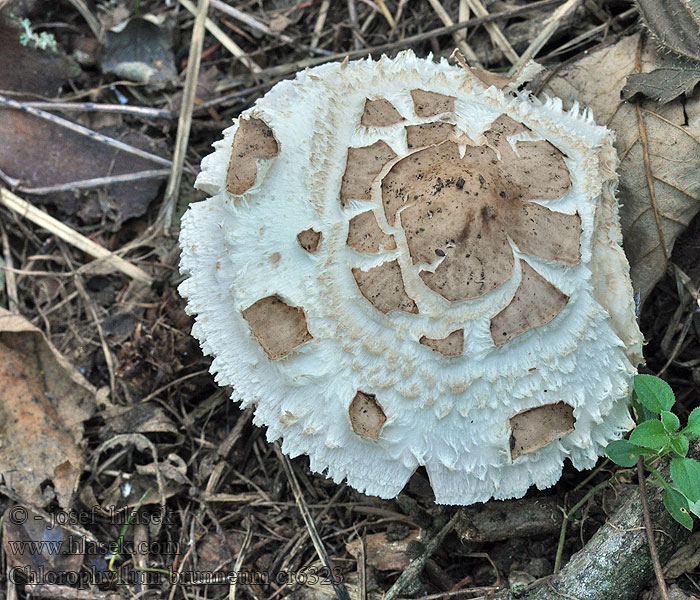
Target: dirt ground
(148,428)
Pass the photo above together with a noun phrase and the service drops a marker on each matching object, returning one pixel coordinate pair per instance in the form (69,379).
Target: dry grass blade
(544,35)
(387,15)
(165,215)
(320,22)
(497,36)
(458,37)
(62,231)
(109,361)
(10,281)
(341,592)
(225,40)
(90,19)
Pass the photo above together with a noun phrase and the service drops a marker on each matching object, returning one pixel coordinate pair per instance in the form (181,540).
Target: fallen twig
(62,231)
(83,130)
(84,184)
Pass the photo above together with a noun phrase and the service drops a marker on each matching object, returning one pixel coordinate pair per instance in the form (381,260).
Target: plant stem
(569,515)
(647,525)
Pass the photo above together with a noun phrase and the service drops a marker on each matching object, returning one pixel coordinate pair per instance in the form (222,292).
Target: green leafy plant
(657,435)
(40,41)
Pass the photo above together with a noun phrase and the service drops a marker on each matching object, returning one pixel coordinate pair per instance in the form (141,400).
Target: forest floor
(142,424)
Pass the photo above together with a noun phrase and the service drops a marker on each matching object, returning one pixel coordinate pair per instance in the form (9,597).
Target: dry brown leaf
(658,146)
(42,153)
(383,554)
(43,404)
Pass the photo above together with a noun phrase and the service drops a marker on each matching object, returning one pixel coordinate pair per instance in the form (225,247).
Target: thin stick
(544,35)
(141,111)
(83,131)
(86,184)
(109,360)
(496,35)
(650,531)
(339,588)
(362,568)
(10,281)
(165,215)
(459,37)
(320,22)
(225,40)
(62,231)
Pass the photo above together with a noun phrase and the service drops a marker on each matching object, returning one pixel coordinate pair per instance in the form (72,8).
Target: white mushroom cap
(400,266)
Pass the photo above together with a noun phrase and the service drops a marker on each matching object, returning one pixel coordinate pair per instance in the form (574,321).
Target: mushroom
(402,263)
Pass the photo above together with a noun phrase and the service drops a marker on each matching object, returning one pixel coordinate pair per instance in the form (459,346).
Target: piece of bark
(505,519)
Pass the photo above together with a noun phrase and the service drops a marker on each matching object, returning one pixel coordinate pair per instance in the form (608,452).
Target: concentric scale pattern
(401,265)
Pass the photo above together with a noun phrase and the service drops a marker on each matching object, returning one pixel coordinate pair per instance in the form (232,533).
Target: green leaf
(693,426)
(685,473)
(670,421)
(679,444)
(650,434)
(623,453)
(677,505)
(654,393)
(694,508)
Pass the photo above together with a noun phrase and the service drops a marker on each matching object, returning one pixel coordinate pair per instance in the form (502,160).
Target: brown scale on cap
(278,327)
(535,303)
(460,211)
(383,287)
(363,165)
(428,134)
(366,416)
(428,104)
(538,168)
(309,239)
(533,429)
(380,113)
(253,140)
(452,345)
(488,78)
(364,235)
